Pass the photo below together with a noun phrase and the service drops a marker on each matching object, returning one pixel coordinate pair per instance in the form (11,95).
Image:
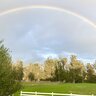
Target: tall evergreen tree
(8,84)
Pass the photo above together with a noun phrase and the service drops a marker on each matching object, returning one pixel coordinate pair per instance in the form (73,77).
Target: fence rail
(48,94)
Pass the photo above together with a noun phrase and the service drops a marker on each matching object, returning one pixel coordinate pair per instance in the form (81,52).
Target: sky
(52,28)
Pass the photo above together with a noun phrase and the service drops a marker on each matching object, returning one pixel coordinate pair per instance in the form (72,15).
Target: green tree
(60,72)
(31,76)
(77,70)
(49,67)
(8,84)
(18,70)
(91,75)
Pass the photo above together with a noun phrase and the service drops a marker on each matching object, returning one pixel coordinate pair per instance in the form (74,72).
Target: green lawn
(81,88)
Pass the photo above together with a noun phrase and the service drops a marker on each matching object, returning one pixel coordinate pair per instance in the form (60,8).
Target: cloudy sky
(49,28)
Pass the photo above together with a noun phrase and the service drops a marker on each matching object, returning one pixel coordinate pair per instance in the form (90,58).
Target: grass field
(81,88)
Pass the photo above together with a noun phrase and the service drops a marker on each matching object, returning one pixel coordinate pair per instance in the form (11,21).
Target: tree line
(60,69)
(74,72)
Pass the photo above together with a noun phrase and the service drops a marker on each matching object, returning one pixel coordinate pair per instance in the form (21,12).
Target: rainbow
(10,11)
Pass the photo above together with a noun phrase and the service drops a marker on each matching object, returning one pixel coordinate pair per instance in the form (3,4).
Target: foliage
(31,76)
(60,70)
(18,71)
(49,67)
(91,75)
(8,84)
(74,72)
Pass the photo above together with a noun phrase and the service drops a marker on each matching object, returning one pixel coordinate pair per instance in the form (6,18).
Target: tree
(91,76)
(34,69)
(18,69)
(8,84)
(49,67)
(77,71)
(31,76)
(60,70)
(94,65)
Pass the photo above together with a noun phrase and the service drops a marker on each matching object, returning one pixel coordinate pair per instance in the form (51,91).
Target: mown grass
(81,88)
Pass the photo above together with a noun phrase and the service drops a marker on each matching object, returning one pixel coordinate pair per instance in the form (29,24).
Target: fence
(49,94)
